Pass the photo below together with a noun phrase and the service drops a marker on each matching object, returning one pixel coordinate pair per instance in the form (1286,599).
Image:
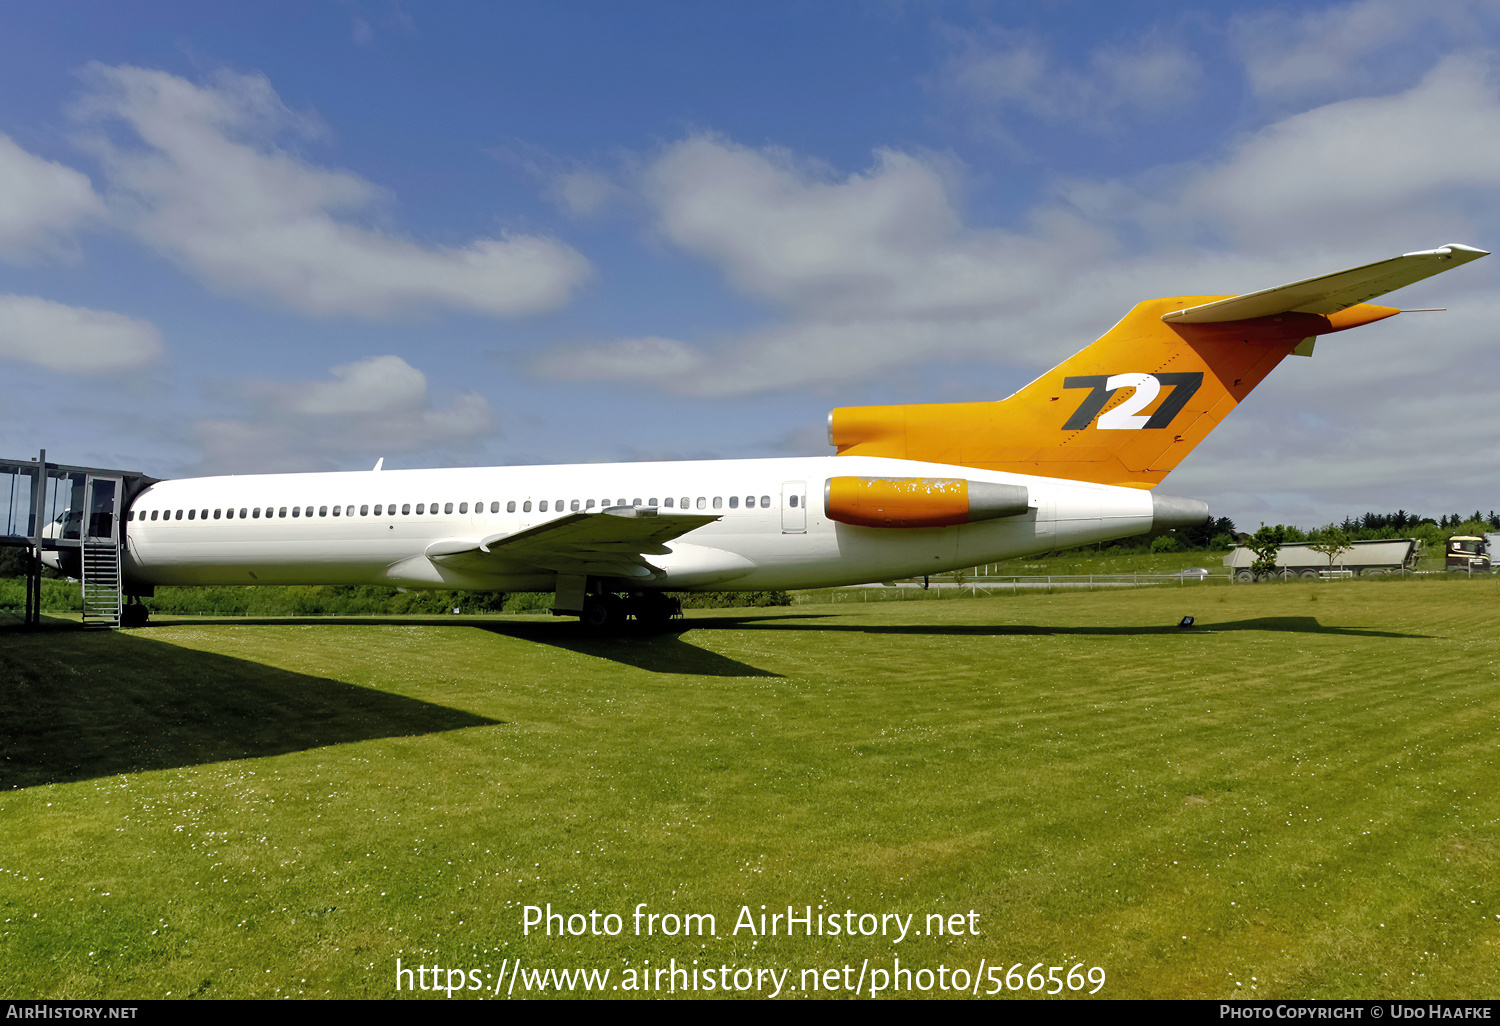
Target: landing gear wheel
(657,611)
(602,612)
(134,616)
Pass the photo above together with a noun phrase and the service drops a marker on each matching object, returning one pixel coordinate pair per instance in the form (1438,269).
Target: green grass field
(1296,798)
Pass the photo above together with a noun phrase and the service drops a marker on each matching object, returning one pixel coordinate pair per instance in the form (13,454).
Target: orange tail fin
(1127,409)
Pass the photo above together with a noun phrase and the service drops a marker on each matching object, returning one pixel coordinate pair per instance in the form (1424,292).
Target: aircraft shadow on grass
(667,651)
(660,651)
(1286,624)
(122,703)
(78,705)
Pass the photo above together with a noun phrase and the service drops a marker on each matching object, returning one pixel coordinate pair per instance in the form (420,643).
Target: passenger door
(794,507)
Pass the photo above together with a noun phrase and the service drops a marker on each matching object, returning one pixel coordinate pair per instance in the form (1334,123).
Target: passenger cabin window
(510,507)
(541,506)
(734,502)
(495,507)
(702,502)
(765,502)
(667,502)
(685,502)
(718,502)
(364,511)
(575,505)
(406,509)
(192,513)
(463,507)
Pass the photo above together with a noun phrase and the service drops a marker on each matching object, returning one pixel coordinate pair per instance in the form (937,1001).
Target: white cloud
(1360,168)
(73,339)
(1361,46)
(574,186)
(887,242)
(1001,69)
(1420,444)
(631,359)
(583,193)
(876,268)
(869,273)
(40,203)
(379,406)
(209,187)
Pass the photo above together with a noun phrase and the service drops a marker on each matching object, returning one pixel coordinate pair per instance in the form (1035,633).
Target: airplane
(1070,459)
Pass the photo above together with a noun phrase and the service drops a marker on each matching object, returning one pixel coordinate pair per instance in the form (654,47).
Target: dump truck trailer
(1362,558)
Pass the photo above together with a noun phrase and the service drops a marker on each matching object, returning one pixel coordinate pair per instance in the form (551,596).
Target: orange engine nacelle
(920,501)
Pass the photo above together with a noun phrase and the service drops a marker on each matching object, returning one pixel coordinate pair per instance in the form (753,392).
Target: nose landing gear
(134,613)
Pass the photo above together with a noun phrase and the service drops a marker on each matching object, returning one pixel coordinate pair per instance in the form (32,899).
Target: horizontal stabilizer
(1331,293)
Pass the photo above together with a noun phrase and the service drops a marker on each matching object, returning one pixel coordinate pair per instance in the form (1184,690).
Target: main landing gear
(603,605)
(647,610)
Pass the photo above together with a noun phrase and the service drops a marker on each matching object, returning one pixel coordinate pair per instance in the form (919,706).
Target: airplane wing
(613,542)
(1331,293)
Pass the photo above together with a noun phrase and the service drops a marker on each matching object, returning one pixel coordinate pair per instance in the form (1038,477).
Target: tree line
(1220,534)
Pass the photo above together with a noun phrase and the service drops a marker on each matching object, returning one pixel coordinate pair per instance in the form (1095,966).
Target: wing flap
(613,542)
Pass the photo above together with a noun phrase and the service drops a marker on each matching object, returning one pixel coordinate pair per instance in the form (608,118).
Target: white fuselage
(324,528)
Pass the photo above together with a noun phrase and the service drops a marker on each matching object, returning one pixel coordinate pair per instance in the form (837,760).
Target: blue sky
(304,236)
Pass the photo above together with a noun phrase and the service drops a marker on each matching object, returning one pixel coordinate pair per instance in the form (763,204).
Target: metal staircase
(73,518)
(101,585)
